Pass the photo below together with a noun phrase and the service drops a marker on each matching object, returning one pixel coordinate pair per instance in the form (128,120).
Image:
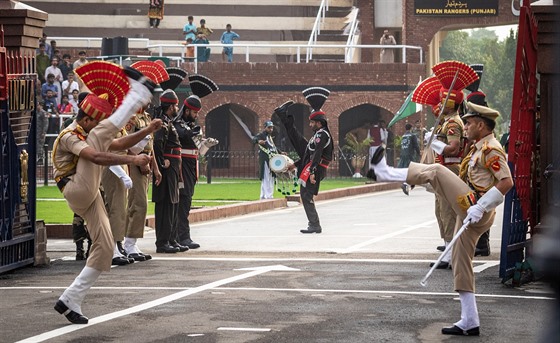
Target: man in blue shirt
(190,29)
(227,38)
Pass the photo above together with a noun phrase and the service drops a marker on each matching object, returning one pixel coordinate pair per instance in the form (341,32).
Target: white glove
(139,147)
(474,214)
(428,135)
(206,145)
(489,201)
(121,174)
(438,146)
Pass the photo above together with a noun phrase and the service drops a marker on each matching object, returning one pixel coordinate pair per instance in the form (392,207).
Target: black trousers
(306,194)
(165,213)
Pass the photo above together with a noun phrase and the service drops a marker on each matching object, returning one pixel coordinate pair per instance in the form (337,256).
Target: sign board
(456,8)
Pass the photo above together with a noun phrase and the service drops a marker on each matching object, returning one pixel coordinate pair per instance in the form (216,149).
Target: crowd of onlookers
(59,90)
(199,35)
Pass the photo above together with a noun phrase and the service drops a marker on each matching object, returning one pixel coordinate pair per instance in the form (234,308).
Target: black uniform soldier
(167,152)
(315,154)
(189,132)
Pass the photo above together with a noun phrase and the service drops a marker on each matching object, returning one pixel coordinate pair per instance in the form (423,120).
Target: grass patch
(219,192)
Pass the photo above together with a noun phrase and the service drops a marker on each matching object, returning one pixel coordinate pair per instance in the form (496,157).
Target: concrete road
(257,279)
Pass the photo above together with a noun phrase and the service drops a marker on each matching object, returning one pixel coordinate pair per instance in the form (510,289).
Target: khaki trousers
(450,187)
(115,197)
(445,214)
(137,203)
(83,197)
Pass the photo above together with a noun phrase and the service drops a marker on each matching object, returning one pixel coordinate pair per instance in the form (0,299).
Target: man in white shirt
(70,85)
(55,70)
(81,61)
(74,100)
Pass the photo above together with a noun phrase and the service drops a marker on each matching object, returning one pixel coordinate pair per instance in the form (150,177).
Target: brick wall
(261,87)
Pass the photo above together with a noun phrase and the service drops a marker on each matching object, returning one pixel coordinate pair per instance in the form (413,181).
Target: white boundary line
(150,304)
(384,237)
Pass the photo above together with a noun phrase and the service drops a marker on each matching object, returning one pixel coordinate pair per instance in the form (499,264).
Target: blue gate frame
(17,159)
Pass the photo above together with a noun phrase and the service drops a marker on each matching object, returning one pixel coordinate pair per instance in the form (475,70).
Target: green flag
(407,109)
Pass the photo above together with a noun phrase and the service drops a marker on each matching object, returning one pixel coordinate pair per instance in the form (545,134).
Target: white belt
(452,159)
(189,151)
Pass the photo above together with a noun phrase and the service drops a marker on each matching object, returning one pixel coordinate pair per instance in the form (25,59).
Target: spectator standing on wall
(203,29)
(227,38)
(190,29)
(155,13)
(387,55)
(203,54)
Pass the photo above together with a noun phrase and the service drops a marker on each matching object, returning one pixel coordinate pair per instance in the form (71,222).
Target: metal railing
(319,20)
(95,42)
(243,164)
(353,25)
(161,49)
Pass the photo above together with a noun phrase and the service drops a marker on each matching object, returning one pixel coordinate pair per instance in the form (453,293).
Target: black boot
(483,245)
(121,249)
(80,252)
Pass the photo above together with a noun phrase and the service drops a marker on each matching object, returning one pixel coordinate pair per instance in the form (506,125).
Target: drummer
(267,149)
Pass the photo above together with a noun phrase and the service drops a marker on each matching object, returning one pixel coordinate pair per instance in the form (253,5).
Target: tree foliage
(483,47)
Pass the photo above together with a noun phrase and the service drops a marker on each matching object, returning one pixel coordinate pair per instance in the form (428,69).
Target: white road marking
(244,329)
(384,237)
(489,264)
(300,290)
(172,297)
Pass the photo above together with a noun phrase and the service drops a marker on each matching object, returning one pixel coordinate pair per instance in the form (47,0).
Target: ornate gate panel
(519,215)
(17,159)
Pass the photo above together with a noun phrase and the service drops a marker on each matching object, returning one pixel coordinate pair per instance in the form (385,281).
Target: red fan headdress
(153,70)
(445,72)
(109,85)
(427,93)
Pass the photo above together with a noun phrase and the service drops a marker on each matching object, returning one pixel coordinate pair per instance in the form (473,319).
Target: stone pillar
(23,26)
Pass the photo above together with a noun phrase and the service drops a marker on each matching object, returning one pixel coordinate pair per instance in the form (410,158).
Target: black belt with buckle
(62,182)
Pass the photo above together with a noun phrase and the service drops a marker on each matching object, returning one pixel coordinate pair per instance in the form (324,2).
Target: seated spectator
(155,13)
(69,85)
(65,66)
(203,53)
(65,107)
(81,60)
(74,100)
(50,85)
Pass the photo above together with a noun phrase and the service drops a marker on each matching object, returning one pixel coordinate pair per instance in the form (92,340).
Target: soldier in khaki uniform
(484,180)
(138,194)
(79,155)
(448,148)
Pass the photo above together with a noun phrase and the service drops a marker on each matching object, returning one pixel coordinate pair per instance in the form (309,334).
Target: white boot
(74,295)
(130,245)
(469,312)
(138,96)
(385,173)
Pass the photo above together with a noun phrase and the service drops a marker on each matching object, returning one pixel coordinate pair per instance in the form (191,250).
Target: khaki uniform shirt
(140,121)
(67,149)
(451,130)
(487,164)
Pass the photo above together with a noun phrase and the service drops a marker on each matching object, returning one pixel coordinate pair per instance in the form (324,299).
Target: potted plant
(359,151)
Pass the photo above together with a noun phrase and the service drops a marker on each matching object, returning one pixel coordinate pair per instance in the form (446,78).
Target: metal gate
(17,158)
(519,210)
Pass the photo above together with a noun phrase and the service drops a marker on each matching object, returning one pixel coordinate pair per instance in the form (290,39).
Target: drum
(279,163)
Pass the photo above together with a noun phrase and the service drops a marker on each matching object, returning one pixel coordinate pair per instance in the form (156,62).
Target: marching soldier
(484,180)
(79,155)
(315,154)
(188,132)
(445,94)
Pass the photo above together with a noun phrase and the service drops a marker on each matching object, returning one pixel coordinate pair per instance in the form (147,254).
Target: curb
(64,231)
